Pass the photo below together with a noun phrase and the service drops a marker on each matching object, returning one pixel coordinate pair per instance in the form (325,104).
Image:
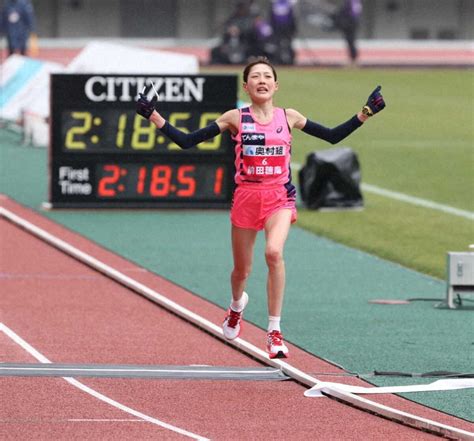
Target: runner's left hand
(375,102)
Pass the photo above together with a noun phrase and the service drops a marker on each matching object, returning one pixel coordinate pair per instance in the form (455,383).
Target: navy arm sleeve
(332,135)
(188,140)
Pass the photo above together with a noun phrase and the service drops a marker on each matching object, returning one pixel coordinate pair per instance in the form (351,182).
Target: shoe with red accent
(232,321)
(275,346)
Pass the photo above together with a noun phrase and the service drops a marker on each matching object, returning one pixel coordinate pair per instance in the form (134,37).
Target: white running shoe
(231,326)
(275,346)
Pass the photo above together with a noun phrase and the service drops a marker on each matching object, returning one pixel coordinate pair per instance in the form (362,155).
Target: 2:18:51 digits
(115,131)
(151,181)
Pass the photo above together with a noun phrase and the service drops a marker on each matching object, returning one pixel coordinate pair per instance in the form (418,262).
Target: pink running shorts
(252,207)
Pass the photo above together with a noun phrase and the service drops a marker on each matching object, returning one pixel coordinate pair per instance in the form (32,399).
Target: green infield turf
(421,145)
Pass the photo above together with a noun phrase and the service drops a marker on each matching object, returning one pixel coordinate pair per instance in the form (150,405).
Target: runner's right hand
(144,107)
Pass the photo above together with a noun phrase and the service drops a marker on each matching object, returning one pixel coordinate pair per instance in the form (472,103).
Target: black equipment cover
(331,179)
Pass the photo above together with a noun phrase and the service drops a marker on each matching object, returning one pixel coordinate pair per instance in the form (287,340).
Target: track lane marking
(104,420)
(419,202)
(72,381)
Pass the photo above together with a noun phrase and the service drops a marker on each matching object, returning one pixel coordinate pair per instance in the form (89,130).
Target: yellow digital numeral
(212,144)
(122,124)
(140,131)
(174,121)
(71,143)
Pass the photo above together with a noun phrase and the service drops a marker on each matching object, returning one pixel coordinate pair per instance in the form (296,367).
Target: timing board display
(102,154)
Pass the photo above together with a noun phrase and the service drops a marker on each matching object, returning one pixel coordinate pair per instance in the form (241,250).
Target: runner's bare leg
(243,241)
(277,228)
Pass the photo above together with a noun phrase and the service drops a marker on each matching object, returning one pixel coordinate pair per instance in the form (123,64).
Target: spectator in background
(283,23)
(231,49)
(249,33)
(346,19)
(237,36)
(17,22)
(262,40)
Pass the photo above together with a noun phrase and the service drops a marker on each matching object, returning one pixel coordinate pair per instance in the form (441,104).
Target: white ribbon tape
(440,385)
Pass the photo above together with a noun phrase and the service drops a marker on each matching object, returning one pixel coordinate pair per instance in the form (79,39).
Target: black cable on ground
(432,374)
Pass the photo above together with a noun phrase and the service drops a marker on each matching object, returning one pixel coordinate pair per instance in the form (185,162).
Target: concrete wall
(399,19)
(422,19)
(382,19)
(90,17)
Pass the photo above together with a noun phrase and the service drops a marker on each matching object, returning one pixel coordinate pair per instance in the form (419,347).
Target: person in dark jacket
(283,23)
(346,19)
(17,23)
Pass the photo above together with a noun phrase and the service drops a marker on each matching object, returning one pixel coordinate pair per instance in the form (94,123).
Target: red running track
(73,314)
(321,55)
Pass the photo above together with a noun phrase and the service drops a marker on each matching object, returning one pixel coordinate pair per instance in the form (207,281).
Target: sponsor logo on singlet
(253,138)
(260,150)
(248,127)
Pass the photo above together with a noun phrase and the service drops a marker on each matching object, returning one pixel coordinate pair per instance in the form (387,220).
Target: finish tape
(440,385)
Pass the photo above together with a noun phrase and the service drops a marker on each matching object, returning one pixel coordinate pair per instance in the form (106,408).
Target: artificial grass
(421,145)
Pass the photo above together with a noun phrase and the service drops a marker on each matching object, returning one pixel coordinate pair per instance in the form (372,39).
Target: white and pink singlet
(263,174)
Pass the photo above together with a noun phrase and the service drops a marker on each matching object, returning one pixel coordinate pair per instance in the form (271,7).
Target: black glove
(375,103)
(144,107)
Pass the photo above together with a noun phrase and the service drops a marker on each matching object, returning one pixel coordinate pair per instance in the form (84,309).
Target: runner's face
(261,84)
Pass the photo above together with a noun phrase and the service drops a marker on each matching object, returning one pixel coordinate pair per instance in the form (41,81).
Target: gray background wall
(185,19)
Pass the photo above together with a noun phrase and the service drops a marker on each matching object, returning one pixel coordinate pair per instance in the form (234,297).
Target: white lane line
(420,202)
(41,358)
(417,201)
(104,420)
(245,346)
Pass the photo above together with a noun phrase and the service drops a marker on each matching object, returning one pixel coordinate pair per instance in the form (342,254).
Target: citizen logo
(125,89)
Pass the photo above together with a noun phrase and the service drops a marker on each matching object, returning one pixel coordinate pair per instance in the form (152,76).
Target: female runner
(264,197)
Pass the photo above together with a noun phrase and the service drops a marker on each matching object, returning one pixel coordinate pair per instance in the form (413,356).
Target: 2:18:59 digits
(116,131)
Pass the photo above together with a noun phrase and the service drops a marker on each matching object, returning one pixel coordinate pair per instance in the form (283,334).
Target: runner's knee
(241,273)
(273,256)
